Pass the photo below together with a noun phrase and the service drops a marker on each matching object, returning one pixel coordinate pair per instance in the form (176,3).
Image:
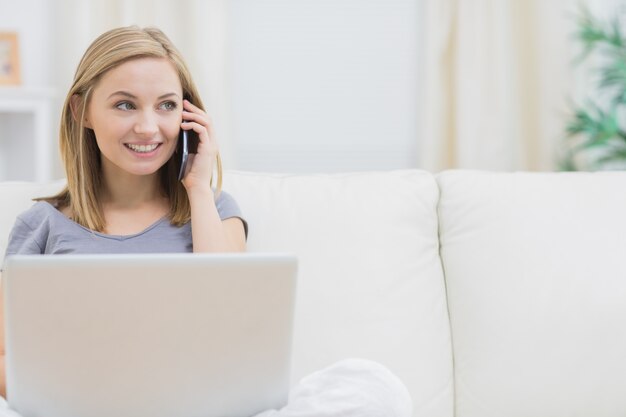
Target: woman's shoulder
(227,208)
(223,196)
(37,214)
(227,205)
(31,230)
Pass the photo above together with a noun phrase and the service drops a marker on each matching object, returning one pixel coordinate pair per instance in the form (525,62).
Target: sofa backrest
(370,281)
(370,278)
(535,268)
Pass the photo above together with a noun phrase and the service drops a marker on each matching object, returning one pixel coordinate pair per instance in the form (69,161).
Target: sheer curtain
(495,83)
(197,28)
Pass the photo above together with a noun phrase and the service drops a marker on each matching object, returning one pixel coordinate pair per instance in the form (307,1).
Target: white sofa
(488,294)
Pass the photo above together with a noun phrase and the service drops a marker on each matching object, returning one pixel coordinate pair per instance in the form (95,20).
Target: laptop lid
(148,335)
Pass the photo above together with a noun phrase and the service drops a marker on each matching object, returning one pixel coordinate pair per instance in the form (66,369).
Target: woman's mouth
(142,148)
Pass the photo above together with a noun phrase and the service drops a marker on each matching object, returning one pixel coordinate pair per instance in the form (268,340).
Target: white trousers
(349,388)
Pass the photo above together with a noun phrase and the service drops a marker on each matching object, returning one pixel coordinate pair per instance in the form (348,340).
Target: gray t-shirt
(43,229)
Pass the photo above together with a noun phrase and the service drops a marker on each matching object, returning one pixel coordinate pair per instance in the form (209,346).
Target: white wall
(315,86)
(324,85)
(31,19)
(18,130)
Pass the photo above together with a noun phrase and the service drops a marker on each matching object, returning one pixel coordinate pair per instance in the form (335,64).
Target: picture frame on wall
(9,59)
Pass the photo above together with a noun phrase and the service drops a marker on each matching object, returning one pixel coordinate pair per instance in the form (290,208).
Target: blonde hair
(79,151)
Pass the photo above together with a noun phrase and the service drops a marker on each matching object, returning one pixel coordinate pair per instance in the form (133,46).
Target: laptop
(188,335)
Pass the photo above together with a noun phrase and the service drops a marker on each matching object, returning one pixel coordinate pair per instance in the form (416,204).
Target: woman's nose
(147,124)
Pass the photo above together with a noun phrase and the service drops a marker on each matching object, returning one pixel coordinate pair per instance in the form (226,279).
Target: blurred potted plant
(596,135)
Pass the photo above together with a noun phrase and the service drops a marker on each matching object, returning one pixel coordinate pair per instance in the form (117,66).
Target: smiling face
(135,112)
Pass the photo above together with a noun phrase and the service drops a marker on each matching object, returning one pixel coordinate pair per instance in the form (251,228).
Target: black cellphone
(187,147)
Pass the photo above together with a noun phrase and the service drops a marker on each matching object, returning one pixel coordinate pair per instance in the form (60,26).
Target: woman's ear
(76,103)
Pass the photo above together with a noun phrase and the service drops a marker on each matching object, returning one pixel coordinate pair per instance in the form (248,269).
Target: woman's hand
(199,176)
(209,232)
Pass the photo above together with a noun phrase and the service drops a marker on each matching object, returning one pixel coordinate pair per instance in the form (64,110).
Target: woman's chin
(137,171)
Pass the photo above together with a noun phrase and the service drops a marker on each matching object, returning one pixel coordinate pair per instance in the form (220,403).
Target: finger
(200,117)
(202,131)
(188,105)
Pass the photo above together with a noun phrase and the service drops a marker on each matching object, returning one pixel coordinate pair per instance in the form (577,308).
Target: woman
(131,96)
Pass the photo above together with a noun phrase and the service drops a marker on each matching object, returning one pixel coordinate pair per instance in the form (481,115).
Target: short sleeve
(23,240)
(227,208)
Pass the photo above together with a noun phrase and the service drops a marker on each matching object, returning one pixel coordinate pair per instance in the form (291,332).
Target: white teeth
(142,148)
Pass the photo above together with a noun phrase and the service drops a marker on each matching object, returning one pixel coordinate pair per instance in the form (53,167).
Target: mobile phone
(187,147)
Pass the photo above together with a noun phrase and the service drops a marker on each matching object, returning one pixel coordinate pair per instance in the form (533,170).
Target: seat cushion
(535,269)
(370,282)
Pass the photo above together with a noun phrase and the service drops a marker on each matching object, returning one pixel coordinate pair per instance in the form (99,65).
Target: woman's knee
(354,386)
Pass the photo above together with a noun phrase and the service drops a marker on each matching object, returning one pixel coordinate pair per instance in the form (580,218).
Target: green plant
(596,134)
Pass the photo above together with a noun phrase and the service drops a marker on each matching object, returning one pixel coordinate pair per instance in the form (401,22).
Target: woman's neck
(131,190)
(131,203)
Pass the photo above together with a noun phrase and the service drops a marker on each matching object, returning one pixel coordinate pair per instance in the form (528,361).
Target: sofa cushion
(370,282)
(536,275)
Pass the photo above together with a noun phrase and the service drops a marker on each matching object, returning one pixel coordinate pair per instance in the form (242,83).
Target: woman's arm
(209,232)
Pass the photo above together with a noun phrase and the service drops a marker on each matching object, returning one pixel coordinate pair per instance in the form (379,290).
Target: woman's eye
(124,105)
(169,105)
